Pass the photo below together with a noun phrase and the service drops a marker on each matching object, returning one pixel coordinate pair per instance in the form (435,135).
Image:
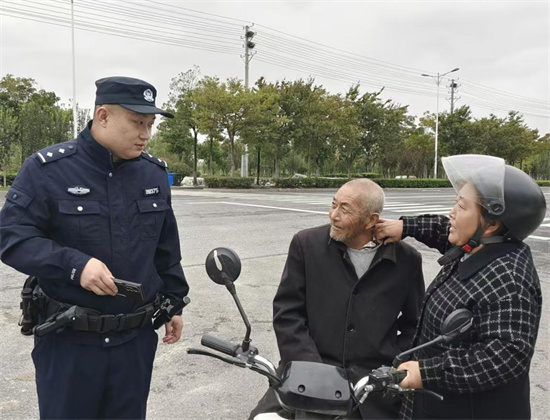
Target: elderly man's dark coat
(324,313)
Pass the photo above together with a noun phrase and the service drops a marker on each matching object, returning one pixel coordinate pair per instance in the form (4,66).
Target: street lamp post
(438,82)
(75,111)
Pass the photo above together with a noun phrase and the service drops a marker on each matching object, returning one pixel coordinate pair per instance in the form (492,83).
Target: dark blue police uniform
(70,203)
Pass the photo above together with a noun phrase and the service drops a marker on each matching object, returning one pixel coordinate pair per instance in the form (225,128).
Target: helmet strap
(492,240)
(458,251)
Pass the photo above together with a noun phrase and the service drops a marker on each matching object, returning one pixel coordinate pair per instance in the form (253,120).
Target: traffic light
(249,35)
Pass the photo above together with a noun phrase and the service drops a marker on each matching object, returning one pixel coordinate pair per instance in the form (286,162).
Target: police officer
(78,215)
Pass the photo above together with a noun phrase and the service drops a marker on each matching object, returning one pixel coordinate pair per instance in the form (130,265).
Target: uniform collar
(479,260)
(384,251)
(99,153)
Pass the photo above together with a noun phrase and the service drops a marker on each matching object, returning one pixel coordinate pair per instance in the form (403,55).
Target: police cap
(133,94)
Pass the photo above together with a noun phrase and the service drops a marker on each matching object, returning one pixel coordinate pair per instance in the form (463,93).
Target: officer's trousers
(82,380)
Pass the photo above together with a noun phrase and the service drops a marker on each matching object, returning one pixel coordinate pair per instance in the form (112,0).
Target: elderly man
(346,300)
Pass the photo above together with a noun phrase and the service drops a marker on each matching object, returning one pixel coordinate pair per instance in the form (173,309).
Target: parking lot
(258,225)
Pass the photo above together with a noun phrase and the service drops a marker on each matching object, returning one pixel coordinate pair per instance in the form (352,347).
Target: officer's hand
(388,231)
(173,330)
(97,278)
(413,378)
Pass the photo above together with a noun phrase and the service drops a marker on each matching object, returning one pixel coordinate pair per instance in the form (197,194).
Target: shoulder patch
(56,152)
(153,159)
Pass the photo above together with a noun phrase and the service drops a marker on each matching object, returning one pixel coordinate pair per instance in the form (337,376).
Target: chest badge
(151,191)
(79,190)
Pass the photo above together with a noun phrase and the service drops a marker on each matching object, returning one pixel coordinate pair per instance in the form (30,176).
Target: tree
(220,111)
(508,138)
(395,129)
(371,117)
(456,133)
(310,126)
(211,151)
(8,133)
(264,121)
(417,155)
(347,137)
(518,139)
(15,91)
(183,130)
(42,123)
(540,160)
(82,118)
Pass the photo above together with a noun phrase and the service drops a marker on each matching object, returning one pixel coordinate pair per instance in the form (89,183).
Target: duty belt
(60,315)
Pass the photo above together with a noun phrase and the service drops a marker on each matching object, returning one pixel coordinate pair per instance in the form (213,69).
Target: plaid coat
(487,374)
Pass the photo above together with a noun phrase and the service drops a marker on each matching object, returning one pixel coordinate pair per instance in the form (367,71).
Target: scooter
(311,389)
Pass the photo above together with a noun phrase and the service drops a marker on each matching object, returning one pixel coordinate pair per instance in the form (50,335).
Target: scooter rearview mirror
(456,324)
(223,266)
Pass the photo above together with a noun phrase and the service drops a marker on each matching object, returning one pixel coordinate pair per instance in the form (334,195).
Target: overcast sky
(501,47)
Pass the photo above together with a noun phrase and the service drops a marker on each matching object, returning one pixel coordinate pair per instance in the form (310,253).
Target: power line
(154,39)
(182,27)
(127,31)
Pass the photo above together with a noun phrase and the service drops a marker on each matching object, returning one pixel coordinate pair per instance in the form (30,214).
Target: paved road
(259,226)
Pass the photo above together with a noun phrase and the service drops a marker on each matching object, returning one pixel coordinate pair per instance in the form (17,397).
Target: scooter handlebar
(219,345)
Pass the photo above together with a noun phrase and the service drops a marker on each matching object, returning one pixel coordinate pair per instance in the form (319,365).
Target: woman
(489,270)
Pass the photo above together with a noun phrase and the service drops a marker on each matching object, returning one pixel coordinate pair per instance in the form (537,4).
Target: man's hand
(97,278)
(413,379)
(388,231)
(173,330)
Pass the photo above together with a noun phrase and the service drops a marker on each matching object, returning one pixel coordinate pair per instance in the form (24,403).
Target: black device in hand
(130,289)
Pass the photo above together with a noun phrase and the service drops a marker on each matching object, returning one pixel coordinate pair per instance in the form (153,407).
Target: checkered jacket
(500,285)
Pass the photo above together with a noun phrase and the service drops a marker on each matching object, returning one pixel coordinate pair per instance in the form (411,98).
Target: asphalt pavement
(258,225)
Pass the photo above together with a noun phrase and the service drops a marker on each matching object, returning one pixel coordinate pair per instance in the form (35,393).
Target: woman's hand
(413,379)
(388,231)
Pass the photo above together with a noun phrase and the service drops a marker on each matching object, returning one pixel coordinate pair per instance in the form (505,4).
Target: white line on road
(423,209)
(542,238)
(204,202)
(276,208)
(404,205)
(417,207)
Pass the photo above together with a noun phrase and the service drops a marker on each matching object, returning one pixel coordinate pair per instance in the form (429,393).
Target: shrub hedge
(356,175)
(338,182)
(314,182)
(412,183)
(309,182)
(383,182)
(228,182)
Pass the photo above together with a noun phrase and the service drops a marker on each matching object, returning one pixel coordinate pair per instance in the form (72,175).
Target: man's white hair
(371,195)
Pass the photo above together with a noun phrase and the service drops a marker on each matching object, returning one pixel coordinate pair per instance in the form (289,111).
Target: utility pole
(453,86)
(248,46)
(437,79)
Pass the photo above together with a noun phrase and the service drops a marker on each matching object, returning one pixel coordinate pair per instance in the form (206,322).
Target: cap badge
(148,95)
